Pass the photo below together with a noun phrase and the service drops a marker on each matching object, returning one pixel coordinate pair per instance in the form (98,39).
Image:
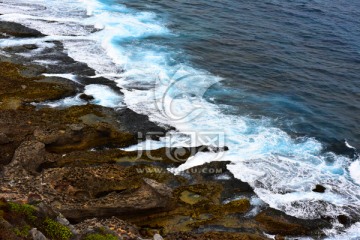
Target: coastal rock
(158,237)
(29,155)
(113,225)
(276,222)
(37,235)
(18,30)
(4,139)
(344,220)
(86,97)
(13,78)
(319,189)
(104,191)
(212,235)
(6,230)
(217,171)
(48,136)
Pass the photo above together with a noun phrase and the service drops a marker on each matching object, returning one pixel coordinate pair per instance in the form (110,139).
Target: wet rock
(34,71)
(37,235)
(237,206)
(4,139)
(86,97)
(344,220)
(276,222)
(18,30)
(139,125)
(174,155)
(319,189)
(217,171)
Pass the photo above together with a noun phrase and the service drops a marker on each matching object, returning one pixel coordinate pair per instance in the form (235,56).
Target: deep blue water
(297,62)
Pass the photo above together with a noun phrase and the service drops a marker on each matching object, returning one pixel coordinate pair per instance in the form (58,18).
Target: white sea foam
(69,76)
(355,171)
(348,145)
(351,233)
(104,96)
(62,103)
(282,170)
(47,62)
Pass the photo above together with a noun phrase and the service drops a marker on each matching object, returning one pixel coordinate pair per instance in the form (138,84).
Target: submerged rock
(319,189)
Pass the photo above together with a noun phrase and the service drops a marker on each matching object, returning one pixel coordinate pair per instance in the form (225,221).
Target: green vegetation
(100,237)
(23,209)
(22,232)
(56,231)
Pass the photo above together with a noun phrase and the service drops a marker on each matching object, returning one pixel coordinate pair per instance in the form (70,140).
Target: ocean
(276,82)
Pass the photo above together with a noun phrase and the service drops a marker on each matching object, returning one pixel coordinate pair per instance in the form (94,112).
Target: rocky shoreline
(63,175)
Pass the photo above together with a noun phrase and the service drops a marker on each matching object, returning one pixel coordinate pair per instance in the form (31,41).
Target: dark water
(295,61)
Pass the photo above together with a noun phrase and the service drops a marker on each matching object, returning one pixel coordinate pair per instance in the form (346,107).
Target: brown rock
(47,136)
(4,139)
(104,191)
(29,155)
(118,227)
(86,97)
(214,236)
(276,222)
